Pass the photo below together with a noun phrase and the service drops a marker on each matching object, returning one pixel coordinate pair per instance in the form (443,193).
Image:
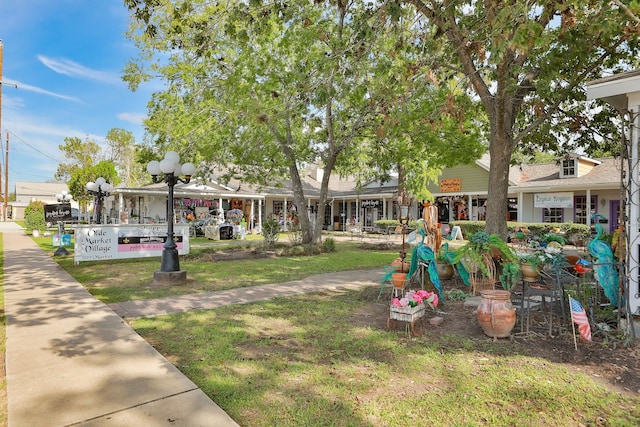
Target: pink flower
(395,302)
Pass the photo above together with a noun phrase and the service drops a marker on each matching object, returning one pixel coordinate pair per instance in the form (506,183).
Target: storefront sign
(553,200)
(370,203)
(450,185)
(59,212)
(98,242)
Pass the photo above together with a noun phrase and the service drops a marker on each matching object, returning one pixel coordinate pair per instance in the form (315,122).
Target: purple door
(614,215)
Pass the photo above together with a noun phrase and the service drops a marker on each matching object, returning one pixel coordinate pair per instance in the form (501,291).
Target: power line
(32,147)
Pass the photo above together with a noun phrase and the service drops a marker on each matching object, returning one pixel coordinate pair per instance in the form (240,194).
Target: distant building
(27,191)
(569,190)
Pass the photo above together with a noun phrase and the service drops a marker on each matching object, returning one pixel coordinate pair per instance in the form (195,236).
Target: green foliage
(270,232)
(553,237)
(510,275)
(80,176)
(529,62)
(34,216)
(482,244)
(329,245)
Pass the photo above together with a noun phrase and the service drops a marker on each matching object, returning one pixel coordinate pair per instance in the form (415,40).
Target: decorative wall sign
(450,185)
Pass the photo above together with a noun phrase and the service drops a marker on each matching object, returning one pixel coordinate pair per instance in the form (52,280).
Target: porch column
(285,214)
(252,220)
(589,213)
(121,206)
(331,221)
(260,216)
(520,205)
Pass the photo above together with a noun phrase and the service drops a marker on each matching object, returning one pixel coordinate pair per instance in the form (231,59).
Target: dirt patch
(608,359)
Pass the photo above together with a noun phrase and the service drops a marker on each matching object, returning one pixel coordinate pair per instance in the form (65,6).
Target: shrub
(329,245)
(34,216)
(270,232)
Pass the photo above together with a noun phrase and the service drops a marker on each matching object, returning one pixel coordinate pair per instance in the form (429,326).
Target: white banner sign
(553,200)
(99,242)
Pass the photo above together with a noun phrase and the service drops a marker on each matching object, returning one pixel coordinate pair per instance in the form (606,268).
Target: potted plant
(532,264)
(495,314)
(553,237)
(444,259)
(510,275)
(411,307)
(481,248)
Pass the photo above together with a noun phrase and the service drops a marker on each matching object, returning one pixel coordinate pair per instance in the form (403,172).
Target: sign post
(59,213)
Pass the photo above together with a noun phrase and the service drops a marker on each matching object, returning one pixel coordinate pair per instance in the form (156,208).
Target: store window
(552,215)
(582,210)
(278,207)
(512,209)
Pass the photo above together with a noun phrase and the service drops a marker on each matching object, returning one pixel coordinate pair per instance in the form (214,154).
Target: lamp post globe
(170,171)
(99,189)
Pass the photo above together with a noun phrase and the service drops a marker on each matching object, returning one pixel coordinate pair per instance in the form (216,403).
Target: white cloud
(135,118)
(73,69)
(30,88)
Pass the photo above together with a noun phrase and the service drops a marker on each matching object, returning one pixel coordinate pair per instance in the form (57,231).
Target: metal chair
(547,293)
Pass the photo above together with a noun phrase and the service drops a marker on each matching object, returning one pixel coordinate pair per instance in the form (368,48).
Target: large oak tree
(265,88)
(527,63)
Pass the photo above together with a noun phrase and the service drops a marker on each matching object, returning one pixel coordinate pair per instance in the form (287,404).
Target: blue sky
(66,57)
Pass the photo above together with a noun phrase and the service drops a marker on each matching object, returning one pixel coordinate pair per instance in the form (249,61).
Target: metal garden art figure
(604,266)
(425,251)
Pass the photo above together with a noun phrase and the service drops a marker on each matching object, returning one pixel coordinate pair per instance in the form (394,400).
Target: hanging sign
(451,185)
(553,200)
(370,203)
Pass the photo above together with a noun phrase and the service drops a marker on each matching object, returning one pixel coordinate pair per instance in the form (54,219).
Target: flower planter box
(407,314)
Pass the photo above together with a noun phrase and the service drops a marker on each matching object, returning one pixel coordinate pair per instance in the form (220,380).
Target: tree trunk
(497,197)
(299,200)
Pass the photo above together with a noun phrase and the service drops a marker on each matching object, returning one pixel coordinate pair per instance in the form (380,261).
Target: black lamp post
(63,198)
(169,170)
(99,189)
(404,201)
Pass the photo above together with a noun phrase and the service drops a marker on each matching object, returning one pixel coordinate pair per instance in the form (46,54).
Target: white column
(252,222)
(121,205)
(520,206)
(589,213)
(259,216)
(284,214)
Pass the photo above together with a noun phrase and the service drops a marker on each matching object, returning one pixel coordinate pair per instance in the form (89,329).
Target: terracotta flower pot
(445,270)
(529,274)
(398,280)
(496,314)
(400,266)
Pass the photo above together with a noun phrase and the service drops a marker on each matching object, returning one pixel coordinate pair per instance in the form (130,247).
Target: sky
(66,58)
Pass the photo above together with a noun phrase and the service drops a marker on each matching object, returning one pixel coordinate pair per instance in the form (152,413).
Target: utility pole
(6,180)
(6,159)
(4,212)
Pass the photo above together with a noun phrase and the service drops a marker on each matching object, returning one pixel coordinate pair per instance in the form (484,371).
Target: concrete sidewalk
(70,360)
(342,280)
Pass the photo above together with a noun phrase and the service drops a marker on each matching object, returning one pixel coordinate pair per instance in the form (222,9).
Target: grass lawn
(308,361)
(312,360)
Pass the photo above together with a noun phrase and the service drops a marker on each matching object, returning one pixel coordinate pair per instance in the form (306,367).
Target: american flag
(579,317)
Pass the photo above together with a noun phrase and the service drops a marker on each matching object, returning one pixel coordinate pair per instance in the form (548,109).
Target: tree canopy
(265,88)
(527,63)
(409,86)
